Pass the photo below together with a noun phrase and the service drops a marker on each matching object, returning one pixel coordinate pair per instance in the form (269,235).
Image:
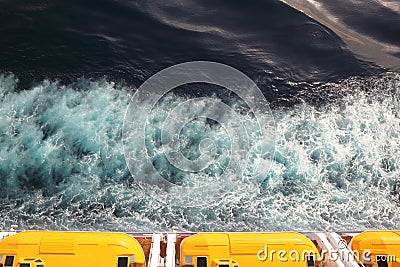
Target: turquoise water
(62,164)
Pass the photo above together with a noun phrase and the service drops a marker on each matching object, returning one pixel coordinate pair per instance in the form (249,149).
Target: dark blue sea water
(329,69)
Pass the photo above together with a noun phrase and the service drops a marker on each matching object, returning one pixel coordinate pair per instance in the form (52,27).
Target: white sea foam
(62,165)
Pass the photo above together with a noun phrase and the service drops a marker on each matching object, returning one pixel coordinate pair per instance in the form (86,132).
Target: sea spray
(62,165)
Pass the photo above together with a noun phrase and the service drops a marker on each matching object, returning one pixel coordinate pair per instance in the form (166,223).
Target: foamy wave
(62,164)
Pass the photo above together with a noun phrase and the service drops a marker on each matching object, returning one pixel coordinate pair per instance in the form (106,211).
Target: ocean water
(69,71)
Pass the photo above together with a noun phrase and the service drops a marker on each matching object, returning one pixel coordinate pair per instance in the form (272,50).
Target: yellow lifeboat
(248,249)
(66,249)
(377,248)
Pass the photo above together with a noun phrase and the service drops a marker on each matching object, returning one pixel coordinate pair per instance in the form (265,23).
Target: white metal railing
(327,247)
(340,246)
(155,259)
(170,258)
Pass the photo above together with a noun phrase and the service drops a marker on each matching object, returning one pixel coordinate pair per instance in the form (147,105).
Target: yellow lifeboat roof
(378,243)
(51,247)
